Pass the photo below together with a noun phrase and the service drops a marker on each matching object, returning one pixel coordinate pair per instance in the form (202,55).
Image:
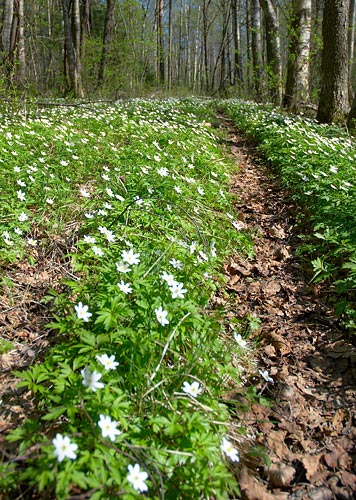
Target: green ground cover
(317,165)
(134,198)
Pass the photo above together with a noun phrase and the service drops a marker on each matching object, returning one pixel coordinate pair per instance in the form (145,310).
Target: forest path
(309,432)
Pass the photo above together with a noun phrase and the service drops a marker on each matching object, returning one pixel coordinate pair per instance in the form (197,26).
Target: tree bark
(273,45)
(107,35)
(237,63)
(297,85)
(256,46)
(333,101)
(160,41)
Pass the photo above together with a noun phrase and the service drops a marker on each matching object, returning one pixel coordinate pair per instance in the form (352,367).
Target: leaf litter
(308,430)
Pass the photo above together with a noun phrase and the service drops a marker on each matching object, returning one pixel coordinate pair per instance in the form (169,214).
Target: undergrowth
(316,164)
(134,198)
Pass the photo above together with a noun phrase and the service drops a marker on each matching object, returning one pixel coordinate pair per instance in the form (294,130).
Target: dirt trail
(309,432)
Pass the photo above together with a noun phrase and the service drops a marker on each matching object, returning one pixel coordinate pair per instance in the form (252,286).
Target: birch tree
(297,85)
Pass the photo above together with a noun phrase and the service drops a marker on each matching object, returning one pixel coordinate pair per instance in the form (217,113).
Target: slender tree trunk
(76,42)
(274,62)
(351,44)
(333,101)
(237,62)
(69,52)
(160,41)
(170,35)
(297,86)
(21,71)
(85,27)
(205,43)
(256,44)
(107,36)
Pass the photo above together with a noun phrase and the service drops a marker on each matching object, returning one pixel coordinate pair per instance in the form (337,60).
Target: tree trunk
(21,71)
(237,63)
(160,41)
(333,101)
(351,44)
(69,52)
(107,36)
(256,44)
(297,86)
(273,45)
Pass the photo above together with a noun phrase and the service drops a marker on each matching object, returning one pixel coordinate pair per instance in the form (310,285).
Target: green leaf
(54,413)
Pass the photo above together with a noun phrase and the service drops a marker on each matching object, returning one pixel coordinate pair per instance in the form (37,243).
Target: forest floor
(309,430)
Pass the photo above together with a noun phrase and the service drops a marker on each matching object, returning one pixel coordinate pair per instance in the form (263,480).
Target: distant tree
(107,38)
(273,49)
(13,43)
(256,48)
(333,100)
(160,41)
(72,62)
(297,85)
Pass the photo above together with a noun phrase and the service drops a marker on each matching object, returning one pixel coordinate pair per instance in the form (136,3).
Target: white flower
(237,225)
(124,287)
(50,201)
(201,191)
(229,450)
(108,363)
(21,183)
(177,189)
(63,448)
(163,172)
(130,257)
(122,267)
(192,247)
(64,163)
(18,231)
(91,379)
(97,251)
(161,316)
(264,374)
(110,236)
(31,242)
(108,427)
(178,291)
(89,239)
(240,340)
(21,195)
(84,193)
(82,312)
(88,215)
(177,264)
(23,217)
(137,477)
(192,389)
(168,278)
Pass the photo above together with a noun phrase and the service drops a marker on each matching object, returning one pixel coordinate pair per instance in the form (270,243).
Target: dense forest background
(298,53)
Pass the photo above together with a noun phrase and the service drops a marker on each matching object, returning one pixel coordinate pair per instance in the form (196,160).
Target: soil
(309,429)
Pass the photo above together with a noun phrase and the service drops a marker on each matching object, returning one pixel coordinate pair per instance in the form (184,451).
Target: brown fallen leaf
(311,464)
(253,489)
(280,475)
(348,479)
(338,458)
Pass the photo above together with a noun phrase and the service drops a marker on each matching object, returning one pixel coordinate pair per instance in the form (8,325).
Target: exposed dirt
(309,431)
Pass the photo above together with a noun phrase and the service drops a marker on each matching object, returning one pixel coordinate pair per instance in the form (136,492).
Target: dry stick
(167,345)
